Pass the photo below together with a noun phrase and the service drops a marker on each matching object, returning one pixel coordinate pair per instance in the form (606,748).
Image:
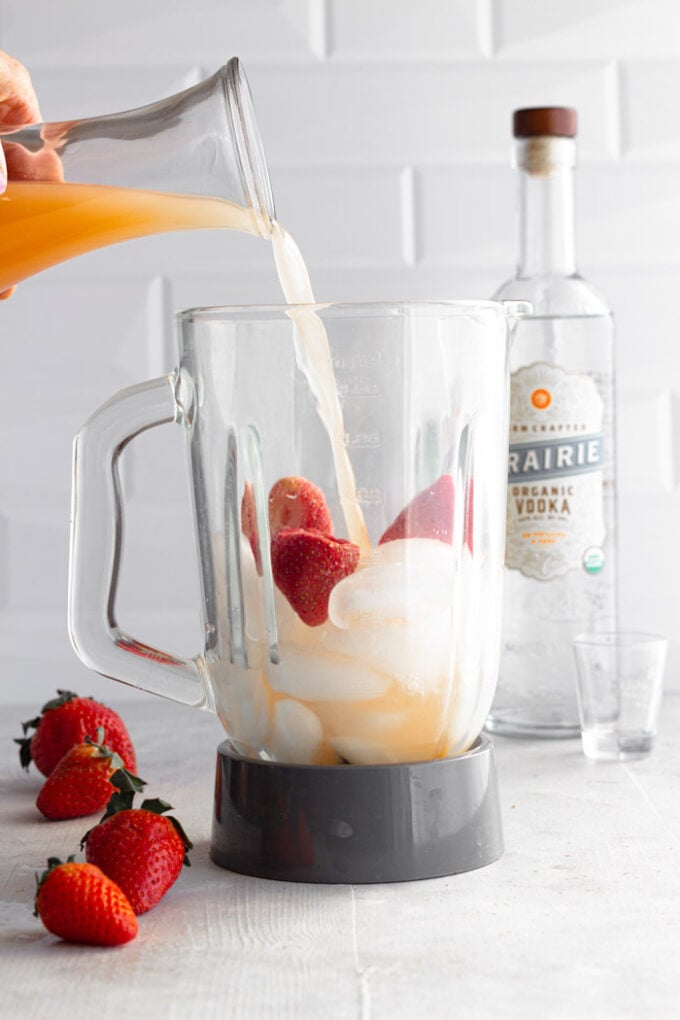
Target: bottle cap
(558,121)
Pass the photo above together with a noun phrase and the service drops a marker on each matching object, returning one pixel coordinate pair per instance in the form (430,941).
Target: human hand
(18,102)
(19,106)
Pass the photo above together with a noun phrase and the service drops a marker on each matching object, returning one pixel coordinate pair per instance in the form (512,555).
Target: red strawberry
(140,849)
(293,503)
(307,565)
(298,503)
(66,721)
(79,903)
(81,782)
(428,515)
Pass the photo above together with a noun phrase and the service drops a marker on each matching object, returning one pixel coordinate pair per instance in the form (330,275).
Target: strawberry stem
(126,782)
(25,756)
(156,806)
(105,752)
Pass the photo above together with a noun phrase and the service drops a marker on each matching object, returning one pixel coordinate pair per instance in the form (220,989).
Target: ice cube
(358,751)
(297,734)
(388,736)
(307,672)
(415,653)
(425,552)
(413,580)
(242,703)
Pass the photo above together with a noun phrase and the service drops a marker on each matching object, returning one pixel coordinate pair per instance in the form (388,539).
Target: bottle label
(555,512)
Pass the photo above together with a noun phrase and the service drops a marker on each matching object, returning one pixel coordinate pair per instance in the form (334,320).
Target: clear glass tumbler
(619,685)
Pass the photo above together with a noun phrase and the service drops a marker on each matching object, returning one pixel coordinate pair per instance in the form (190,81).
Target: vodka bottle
(560,571)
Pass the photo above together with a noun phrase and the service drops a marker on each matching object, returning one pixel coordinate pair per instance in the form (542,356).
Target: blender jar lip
(369,308)
(248,144)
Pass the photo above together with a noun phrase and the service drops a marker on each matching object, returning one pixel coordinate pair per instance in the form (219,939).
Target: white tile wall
(386,125)
(578,29)
(127,33)
(651,129)
(389,29)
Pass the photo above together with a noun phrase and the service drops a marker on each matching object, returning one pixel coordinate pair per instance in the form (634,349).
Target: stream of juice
(314,358)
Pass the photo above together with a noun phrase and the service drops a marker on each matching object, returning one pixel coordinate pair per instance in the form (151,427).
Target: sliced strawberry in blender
(307,565)
(428,515)
(294,502)
(249,523)
(297,503)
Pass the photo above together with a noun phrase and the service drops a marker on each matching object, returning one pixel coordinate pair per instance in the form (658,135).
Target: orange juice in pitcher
(45,222)
(192,161)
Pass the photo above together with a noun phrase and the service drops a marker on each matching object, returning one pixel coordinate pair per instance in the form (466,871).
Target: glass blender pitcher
(192,161)
(347,466)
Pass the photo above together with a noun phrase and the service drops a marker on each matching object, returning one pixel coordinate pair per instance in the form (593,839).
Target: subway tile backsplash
(387,130)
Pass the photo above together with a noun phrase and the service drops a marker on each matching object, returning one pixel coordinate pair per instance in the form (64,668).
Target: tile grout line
(623,110)
(487,26)
(613,89)
(319,28)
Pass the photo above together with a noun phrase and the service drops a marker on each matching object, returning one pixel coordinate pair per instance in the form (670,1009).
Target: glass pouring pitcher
(193,160)
(354,622)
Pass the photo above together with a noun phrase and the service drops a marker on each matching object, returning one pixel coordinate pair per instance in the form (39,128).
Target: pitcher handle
(96,542)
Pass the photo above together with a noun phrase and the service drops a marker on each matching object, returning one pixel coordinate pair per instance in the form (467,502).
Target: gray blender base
(356,823)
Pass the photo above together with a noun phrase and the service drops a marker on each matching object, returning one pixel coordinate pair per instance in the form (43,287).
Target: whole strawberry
(140,849)
(79,903)
(81,782)
(67,720)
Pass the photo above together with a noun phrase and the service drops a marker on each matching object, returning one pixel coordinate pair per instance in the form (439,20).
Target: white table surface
(580,917)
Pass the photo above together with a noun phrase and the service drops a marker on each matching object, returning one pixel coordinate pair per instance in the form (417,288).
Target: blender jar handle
(96,540)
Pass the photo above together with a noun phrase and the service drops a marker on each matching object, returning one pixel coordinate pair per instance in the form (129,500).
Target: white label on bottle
(555,514)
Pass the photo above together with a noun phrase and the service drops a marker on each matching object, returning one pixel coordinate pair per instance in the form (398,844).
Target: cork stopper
(546,121)
(545,139)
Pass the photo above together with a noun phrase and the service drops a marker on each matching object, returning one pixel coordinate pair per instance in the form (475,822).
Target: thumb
(3,170)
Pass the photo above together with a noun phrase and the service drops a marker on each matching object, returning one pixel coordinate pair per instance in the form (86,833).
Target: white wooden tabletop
(580,917)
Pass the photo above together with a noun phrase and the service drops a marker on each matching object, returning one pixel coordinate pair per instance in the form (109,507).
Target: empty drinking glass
(619,682)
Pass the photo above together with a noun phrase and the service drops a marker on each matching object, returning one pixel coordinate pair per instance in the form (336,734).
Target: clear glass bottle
(560,569)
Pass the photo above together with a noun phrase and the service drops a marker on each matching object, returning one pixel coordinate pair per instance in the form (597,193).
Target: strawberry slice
(294,502)
(298,503)
(307,565)
(249,523)
(428,515)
